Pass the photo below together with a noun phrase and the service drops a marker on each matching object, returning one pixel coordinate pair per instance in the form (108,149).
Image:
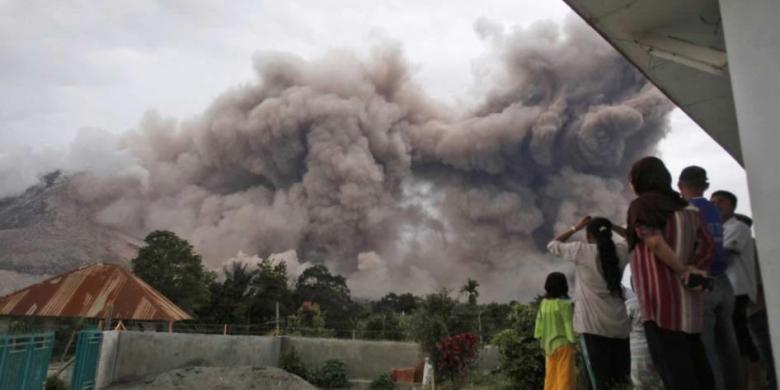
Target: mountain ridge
(45,231)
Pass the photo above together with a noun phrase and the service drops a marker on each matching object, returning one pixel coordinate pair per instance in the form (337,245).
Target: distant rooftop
(98,291)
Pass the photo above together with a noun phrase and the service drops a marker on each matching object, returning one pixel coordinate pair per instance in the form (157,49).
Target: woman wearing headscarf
(669,243)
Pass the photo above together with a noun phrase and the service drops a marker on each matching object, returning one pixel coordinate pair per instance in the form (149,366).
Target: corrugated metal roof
(96,291)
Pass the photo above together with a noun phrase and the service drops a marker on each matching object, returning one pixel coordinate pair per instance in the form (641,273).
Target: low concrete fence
(129,356)
(364,359)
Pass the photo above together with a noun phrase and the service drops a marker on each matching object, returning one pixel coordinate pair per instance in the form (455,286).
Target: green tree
(330,292)
(521,357)
(432,320)
(381,326)
(308,321)
(399,304)
(169,264)
(471,289)
(495,318)
(228,297)
(268,287)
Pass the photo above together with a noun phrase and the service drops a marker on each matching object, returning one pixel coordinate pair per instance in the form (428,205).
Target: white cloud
(72,64)
(75,64)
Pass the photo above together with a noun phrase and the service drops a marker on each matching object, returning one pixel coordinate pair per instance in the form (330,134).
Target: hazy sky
(67,65)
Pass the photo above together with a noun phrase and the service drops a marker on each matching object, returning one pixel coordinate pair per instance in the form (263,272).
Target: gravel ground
(220,378)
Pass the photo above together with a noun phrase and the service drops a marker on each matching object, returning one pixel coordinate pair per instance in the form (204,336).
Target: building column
(752,32)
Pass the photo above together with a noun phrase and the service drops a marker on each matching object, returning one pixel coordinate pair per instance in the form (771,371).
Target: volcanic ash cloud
(349,163)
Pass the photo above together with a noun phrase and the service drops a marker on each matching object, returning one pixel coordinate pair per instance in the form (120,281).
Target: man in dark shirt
(718,335)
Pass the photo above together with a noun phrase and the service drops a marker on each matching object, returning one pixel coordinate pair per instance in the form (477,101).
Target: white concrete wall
(107,360)
(752,31)
(128,356)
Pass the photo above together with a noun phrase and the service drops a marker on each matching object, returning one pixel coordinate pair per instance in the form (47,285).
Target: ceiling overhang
(679,46)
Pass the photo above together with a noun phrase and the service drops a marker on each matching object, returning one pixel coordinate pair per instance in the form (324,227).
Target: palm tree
(236,288)
(471,289)
(237,280)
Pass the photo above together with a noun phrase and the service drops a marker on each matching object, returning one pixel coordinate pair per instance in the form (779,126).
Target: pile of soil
(221,378)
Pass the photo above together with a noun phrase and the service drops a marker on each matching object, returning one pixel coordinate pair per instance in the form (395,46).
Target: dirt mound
(221,378)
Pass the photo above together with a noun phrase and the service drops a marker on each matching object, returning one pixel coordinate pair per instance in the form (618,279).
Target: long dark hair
(601,230)
(556,286)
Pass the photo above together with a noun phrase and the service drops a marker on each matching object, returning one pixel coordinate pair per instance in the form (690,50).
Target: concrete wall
(364,359)
(128,356)
(108,353)
(488,359)
(136,355)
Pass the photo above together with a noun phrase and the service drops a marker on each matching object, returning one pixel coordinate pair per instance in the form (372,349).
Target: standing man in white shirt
(740,254)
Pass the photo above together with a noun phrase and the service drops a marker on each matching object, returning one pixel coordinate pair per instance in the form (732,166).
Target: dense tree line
(317,302)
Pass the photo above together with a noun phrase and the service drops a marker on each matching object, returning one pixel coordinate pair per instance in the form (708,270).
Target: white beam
(684,53)
(752,36)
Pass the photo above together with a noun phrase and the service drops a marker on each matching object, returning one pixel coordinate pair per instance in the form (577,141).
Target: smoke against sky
(78,63)
(348,162)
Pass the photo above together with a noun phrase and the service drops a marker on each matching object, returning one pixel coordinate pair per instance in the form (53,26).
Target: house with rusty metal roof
(100,291)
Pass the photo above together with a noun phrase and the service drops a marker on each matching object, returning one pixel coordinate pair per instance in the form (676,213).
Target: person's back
(718,334)
(597,310)
(711,218)
(742,271)
(556,334)
(663,298)
(669,243)
(554,324)
(740,252)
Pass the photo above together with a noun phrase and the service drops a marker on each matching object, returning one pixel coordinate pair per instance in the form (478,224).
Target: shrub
(456,354)
(428,331)
(55,383)
(382,326)
(521,358)
(291,362)
(384,382)
(332,375)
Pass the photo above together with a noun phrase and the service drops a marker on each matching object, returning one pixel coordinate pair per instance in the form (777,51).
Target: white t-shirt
(740,254)
(596,310)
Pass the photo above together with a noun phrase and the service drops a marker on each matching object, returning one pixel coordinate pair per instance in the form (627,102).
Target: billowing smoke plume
(350,164)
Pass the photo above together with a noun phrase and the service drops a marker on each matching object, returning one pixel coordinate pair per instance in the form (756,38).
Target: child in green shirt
(556,334)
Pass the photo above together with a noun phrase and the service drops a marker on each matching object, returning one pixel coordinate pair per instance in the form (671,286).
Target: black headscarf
(657,200)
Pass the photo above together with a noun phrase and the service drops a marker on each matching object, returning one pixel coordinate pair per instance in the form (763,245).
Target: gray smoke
(350,164)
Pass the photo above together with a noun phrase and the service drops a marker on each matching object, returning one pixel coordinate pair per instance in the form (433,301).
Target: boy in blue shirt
(723,355)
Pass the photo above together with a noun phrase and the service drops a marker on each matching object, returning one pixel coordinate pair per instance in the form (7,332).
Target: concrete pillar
(752,32)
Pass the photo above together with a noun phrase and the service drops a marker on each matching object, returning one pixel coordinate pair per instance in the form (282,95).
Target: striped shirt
(662,296)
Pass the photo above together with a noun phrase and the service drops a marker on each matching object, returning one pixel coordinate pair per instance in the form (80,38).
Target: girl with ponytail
(599,309)
(600,231)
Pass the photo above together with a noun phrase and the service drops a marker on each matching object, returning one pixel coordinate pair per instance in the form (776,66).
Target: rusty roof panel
(97,291)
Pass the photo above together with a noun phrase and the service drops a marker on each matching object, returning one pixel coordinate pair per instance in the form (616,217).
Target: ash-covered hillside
(46,231)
